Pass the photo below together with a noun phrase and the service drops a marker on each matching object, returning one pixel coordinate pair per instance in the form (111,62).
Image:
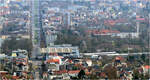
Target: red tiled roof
(147,67)
(87,73)
(3,7)
(52,61)
(15,77)
(70,61)
(3,72)
(92,0)
(102,74)
(110,22)
(101,12)
(109,31)
(113,22)
(60,72)
(140,19)
(104,31)
(54,54)
(78,65)
(74,72)
(65,71)
(119,58)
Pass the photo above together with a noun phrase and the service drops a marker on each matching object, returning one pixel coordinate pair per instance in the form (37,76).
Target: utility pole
(149,36)
(148,8)
(138,28)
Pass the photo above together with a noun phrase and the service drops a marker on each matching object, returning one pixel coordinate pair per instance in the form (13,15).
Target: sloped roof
(147,67)
(52,61)
(74,72)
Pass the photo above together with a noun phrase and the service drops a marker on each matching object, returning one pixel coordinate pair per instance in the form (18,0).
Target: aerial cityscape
(74,39)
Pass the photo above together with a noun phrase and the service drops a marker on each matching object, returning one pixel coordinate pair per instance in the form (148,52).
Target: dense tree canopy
(14,44)
(111,72)
(104,43)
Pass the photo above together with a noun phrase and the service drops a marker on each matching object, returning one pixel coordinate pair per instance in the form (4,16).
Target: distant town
(74,39)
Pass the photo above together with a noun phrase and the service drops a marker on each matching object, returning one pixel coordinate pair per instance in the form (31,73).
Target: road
(36,51)
(36,66)
(38,36)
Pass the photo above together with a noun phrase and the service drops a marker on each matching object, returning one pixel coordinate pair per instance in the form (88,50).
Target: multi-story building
(50,35)
(4,9)
(62,50)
